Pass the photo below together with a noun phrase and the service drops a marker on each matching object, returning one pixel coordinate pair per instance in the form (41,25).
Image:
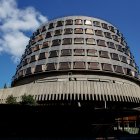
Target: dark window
(127,51)
(108,35)
(79,40)
(115,37)
(88,22)
(64,65)
(78,22)
(56,42)
(131,62)
(107,67)
(123,59)
(51,26)
(101,43)
(69,22)
(78,31)
(33,58)
(92,52)
(114,56)
(29,51)
(66,52)
(42,56)
(128,71)
(98,32)
(51,66)
(79,65)
(37,32)
(58,32)
(48,34)
(119,48)
(111,45)
(79,52)
(53,53)
(96,23)
(28,71)
(90,41)
(93,65)
(46,44)
(67,41)
(39,68)
(89,31)
(43,29)
(40,37)
(111,28)
(104,25)
(20,74)
(104,54)
(118,69)
(68,31)
(25,62)
(60,23)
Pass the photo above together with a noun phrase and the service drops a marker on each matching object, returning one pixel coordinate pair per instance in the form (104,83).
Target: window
(48,34)
(37,47)
(43,29)
(79,40)
(78,22)
(58,32)
(60,23)
(64,65)
(66,52)
(98,32)
(37,32)
(42,55)
(53,53)
(123,59)
(89,31)
(20,74)
(46,44)
(104,25)
(96,23)
(33,58)
(104,54)
(118,69)
(88,22)
(119,48)
(114,56)
(79,65)
(78,31)
(68,31)
(67,41)
(101,43)
(127,51)
(111,45)
(28,71)
(69,22)
(79,52)
(40,37)
(29,51)
(128,71)
(56,42)
(51,26)
(92,52)
(107,35)
(107,67)
(93,66)
(115,37)
(90,41)
(26,61)
(111,28)
(39,68)
(51,66)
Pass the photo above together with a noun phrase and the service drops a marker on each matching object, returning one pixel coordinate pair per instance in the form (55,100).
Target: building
(77,59)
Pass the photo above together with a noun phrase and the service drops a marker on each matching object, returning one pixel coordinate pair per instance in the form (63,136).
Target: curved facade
(78,57)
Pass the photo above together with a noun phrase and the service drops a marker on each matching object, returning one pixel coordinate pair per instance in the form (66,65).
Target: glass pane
(89,31)
(67,41)
(79,41)
(88,22)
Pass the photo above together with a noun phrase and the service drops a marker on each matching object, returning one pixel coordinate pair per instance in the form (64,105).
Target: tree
(28,100)
(5,86)
(11,100)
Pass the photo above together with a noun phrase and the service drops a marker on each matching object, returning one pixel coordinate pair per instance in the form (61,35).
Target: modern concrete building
(77,58)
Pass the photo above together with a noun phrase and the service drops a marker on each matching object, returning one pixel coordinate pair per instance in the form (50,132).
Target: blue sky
(21,17)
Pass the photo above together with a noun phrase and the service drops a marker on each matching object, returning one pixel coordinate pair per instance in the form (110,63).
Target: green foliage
(28,100)
(11,100)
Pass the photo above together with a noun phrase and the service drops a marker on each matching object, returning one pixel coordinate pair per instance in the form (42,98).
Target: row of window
(77,65)
(79,52)
(77,31)
(76,22)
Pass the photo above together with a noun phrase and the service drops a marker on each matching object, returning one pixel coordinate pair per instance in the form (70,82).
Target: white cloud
(14,23)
